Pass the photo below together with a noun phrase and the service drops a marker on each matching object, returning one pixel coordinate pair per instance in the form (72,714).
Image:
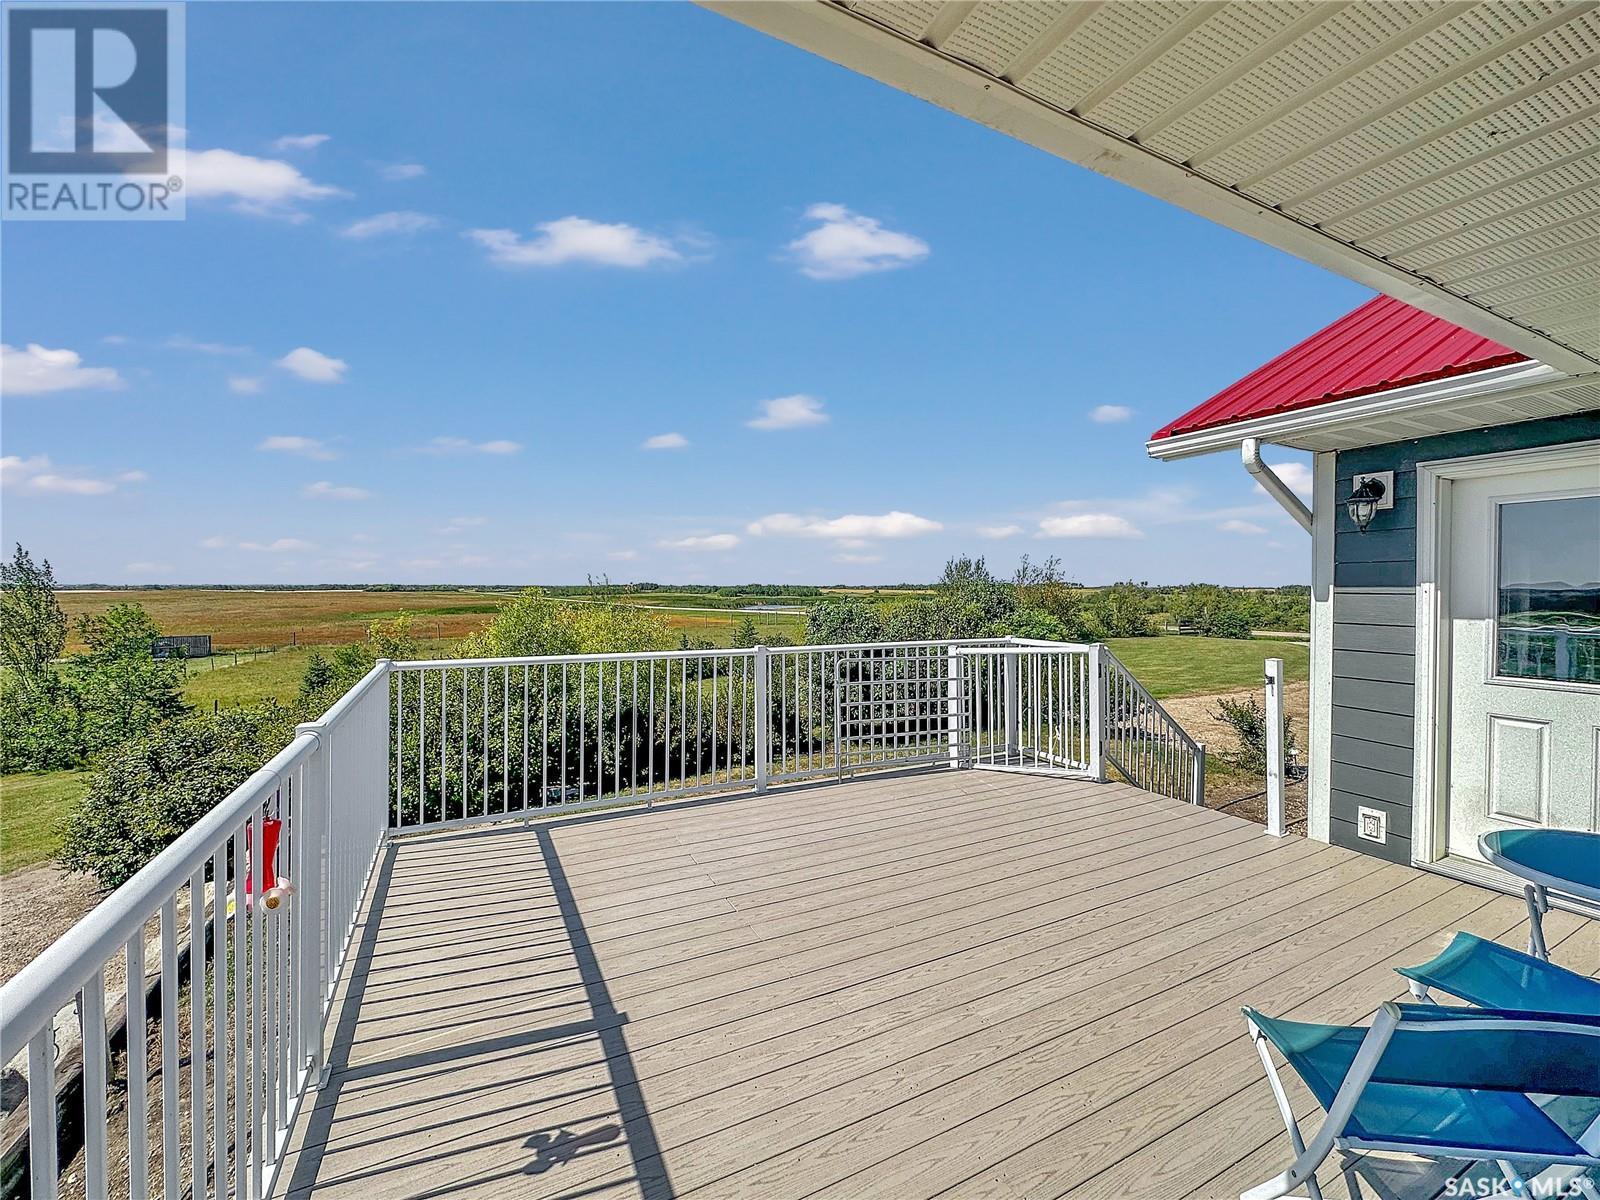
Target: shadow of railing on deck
(550,1148)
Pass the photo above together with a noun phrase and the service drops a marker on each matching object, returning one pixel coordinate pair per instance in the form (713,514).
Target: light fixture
(1365,501)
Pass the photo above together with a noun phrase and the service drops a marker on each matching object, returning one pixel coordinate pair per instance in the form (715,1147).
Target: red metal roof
(1384,344)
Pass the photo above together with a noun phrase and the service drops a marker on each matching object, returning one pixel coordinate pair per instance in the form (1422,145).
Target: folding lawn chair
(1494,976)
(1563,861)
(1439,1083)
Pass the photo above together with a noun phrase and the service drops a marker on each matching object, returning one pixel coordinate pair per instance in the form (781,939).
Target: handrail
(32,997)
(1143,740)
(534,660)
(255,954)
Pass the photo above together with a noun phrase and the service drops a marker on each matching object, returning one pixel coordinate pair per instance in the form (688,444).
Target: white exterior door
(1523,638)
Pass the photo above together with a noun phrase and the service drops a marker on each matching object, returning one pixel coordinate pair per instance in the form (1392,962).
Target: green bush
(153,787)
(842,622)
(1248,720)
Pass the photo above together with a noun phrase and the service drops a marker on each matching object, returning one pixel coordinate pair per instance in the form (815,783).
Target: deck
(955,983)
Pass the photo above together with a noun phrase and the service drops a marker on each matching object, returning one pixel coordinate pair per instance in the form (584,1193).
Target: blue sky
(447,271)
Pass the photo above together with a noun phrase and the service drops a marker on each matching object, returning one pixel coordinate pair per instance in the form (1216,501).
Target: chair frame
(1311,1155)
(1536,893)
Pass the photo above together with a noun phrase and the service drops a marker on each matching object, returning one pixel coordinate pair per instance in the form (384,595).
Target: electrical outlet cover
(1372,824)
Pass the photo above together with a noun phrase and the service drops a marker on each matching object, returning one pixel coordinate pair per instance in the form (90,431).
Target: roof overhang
(1497,396)
(1473,194)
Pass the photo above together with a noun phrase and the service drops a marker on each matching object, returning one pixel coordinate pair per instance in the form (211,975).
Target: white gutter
(1250,451)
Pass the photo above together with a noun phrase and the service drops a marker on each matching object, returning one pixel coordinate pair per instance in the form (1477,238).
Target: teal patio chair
(1563,861)
(1494,976)
(1442,1083)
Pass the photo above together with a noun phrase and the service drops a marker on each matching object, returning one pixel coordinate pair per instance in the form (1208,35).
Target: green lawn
(274,676)
(30,806)
(1195,666)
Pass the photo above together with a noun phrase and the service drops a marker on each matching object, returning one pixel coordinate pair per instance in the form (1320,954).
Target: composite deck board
(911,984)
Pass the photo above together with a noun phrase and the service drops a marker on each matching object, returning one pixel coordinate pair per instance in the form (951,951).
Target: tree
(745,633)
(120,687)
(33,627)
(843,622)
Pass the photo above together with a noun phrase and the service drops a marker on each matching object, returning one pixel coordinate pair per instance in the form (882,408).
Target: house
(1455,533)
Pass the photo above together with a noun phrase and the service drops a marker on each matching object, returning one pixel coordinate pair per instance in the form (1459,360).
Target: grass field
(30,806)
(1194,666)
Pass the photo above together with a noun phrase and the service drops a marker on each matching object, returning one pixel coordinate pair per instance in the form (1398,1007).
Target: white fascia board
(855,41)
(1505,382)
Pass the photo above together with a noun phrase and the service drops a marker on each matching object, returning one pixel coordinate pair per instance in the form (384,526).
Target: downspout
(1250,451)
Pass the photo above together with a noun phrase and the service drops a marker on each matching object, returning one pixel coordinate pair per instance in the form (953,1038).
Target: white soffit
(1443,153)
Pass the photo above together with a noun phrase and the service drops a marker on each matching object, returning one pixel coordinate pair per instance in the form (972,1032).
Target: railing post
(1274,681)
(1013,704)
(952,704)
(1197,784)
(309,834)
(1097,712)
(763,718)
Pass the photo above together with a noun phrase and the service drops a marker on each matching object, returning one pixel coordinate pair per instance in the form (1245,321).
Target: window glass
(1549,590)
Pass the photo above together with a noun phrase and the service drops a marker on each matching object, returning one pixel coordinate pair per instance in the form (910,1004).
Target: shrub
(836,622)
(159,783)
(1248,720)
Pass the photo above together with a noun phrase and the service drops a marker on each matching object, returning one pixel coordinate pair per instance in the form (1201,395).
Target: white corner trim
(1319,738)
(1505,383)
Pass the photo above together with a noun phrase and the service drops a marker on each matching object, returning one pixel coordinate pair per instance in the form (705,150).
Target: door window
(1548,582)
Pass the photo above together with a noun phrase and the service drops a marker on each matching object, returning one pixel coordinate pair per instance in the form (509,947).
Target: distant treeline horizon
(572,589)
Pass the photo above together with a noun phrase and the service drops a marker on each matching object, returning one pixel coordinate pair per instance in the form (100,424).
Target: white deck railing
(218,1002)
(225,982)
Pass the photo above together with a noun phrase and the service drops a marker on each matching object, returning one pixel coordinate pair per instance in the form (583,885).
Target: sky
(525,293)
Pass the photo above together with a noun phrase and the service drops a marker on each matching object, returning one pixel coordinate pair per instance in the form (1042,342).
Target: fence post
(952,704)
(309,838)
(1013,704)
(763,719)
(1197,784)
(1274,681)
(1097,712)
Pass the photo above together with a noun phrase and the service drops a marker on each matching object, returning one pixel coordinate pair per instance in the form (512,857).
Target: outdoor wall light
(1365,501)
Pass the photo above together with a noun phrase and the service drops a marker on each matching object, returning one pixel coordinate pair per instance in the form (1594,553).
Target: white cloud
(305,447)
(1088,525)
(853,527)
(576,240)
(461,445)
(215,542)
(395,172)
(133,477)
(999,531)
(845,244)
(182,342)
(34,370)
(708,541)
(244,385)
(389,224)
(858,558)
(300,141)
(148,568)
(313,366)
(790,412)
(38,476)
(623,555)
(323,490)
(259,186)
(283,545)
(456,525)
(1237,526)
(1110,414)
(665,441)
(1296,474)
(116,339)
